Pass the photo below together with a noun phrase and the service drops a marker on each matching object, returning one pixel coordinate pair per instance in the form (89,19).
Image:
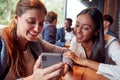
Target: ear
(16,19)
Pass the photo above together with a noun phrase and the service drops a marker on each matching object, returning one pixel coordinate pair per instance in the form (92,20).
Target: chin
(31,39)
(78,40)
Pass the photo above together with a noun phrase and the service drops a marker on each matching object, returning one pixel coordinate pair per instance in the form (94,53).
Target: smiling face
(29,24)
(106,24)
(84,28)
(66,24)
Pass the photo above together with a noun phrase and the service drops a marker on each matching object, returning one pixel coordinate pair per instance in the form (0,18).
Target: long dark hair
(97,53)
(16,58)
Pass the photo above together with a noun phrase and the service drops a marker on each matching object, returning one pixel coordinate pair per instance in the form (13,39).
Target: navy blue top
(60,37)
(109,32)
(49,33)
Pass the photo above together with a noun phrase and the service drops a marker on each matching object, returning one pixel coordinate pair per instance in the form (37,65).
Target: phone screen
(48,59)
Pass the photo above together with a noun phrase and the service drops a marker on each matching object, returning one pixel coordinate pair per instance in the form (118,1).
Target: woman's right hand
(75,58)
(54,72)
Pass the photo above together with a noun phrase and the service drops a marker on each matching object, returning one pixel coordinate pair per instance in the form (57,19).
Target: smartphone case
(48,59)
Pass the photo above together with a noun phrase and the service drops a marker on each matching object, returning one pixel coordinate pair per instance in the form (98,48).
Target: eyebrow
(35,19)
(87,24)
(31,18)
(83,24)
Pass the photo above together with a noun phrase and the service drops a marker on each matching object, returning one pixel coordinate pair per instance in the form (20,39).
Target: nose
(79,30)
(36,27)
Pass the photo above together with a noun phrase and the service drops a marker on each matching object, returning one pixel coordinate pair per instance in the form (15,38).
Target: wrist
(20,78)
(85,62)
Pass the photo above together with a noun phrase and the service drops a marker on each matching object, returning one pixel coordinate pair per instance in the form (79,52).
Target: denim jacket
(3,60)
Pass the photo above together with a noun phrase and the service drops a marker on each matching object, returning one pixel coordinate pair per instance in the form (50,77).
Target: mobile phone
(48,59)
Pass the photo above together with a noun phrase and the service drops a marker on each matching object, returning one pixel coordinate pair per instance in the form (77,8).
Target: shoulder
(109,39)
(74,39)
(2,44)
(74,42)
(62,28)
(75,46)
(109,32)
(50,27)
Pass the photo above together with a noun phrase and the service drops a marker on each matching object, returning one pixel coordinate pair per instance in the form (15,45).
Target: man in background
(107,21)
(65,34)
(49,30)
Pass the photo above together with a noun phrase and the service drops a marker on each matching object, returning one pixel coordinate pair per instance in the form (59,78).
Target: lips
(79,36)
(33,33)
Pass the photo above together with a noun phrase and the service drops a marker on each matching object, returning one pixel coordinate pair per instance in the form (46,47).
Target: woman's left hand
(75,58)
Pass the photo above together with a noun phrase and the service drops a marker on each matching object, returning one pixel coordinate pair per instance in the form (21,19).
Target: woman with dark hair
(21,45)
(92,49)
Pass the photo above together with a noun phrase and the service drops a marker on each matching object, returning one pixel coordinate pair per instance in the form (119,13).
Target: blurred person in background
(107,21)
(65,34)
(49,30)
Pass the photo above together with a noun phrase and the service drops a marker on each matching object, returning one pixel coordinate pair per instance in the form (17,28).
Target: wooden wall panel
(112,7)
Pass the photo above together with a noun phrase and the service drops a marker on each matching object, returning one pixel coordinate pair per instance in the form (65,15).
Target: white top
(68,36)
(111,69)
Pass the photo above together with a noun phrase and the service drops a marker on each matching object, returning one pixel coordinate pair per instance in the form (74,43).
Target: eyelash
(41,23)
(31,22)
(85,27)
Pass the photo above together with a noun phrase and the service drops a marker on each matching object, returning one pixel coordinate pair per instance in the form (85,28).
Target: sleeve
(111,71)
(58,42)
(3,60)
(50,34)
(47,47)
(73,45)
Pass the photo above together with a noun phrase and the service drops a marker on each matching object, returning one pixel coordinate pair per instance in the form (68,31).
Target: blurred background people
(65,34)
(107,21)
(49,30)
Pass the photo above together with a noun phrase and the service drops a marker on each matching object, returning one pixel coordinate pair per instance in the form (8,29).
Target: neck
(87,46)
(105,31)
(69,30)
(23,43)
(105,28)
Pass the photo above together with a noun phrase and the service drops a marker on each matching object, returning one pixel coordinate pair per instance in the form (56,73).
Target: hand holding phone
(48,59)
